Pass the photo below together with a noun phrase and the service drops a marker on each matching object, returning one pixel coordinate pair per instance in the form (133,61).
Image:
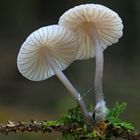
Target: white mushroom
(47,52)
(96,27)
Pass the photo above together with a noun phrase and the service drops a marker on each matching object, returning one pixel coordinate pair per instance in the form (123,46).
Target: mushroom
(48,51)
(96,27)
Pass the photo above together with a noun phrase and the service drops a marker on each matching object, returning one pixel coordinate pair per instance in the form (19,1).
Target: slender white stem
(100,108)
(99,61)
(71,89)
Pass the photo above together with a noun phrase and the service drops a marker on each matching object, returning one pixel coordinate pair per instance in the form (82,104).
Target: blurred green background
(21,99)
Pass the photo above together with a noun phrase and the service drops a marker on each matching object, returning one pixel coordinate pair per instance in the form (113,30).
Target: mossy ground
(74,127)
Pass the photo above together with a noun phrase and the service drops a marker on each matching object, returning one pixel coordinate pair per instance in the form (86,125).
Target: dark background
(21,99)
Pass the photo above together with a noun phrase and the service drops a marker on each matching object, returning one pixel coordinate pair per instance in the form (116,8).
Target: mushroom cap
(85,19)
(53,41)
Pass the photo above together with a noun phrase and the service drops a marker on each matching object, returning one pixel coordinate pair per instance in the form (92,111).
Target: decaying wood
(34,126)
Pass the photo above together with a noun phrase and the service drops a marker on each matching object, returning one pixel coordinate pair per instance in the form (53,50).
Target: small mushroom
(47,52)
(96,27)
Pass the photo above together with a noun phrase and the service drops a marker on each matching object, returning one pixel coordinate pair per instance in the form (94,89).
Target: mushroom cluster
(82,32)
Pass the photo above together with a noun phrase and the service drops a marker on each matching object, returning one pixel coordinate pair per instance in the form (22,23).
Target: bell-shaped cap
(85,19)
(53,41)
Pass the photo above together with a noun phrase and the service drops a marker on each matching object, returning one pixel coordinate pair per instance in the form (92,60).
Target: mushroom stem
(99,62)
(71,89)
(100,108)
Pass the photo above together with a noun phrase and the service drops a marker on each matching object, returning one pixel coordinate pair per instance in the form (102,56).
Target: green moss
(73,115)
(49,124)
(74,118)
(113,117)
(93,134)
